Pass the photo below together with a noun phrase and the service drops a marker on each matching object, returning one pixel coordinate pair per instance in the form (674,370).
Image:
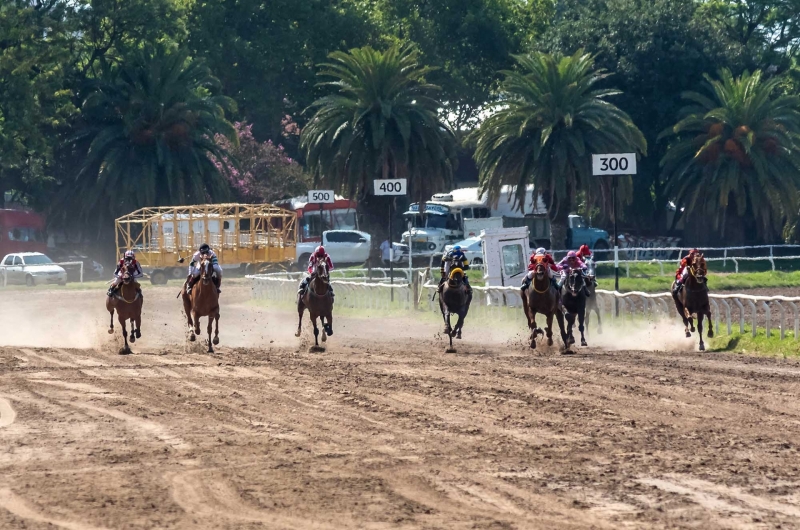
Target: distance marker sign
(320,196)
(614,164)
(391,187)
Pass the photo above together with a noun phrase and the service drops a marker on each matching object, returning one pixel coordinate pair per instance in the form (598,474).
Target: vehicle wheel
(477,261)
(29,281)
(431,246)
(176,273)
(158,278)
(601,248)
(303,261)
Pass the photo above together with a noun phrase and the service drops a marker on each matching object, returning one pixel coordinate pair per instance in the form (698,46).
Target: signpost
(391,187)
(614,164)
(321,197)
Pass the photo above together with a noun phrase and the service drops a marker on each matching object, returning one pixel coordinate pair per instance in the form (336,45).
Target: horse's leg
(216,327)
(700,316)
(682,313)
(532,326)
(446,317)
(581,327)
(460,324)
(599,320)
(208,330)
(300,310)
(124,333)
(570,325)
(561,327)
(111,326)
(550,329)
(133,330)
(328,327)
(139,325)
(316,329)
(710,324)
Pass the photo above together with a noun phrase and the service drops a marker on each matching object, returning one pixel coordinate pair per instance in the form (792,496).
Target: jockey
(570,263)
(584,253)
(683,270)
(194,268)
(127,264)
(454,258)
(540,256)
(319,253)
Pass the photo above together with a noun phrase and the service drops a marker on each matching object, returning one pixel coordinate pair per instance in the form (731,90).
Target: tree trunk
(559,225)
(374,218)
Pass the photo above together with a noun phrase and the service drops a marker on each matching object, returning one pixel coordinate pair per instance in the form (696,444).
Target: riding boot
(217,283)
(677,287)
(441,285)
(111,291)
(190,281)
(330,290)
(303,285)
(526,282)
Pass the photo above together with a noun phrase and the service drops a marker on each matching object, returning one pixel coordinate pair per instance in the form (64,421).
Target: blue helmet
(457,248)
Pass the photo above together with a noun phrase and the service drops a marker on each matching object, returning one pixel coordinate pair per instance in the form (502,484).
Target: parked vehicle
(21,231)
(450,217)
(343,246)
(472,247)
(31,268)
(92,270)
(313,219)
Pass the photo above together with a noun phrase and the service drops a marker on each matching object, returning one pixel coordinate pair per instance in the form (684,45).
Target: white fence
(733,310)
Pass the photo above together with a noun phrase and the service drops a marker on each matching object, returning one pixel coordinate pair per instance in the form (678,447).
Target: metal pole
(616,241)
(391,253)
(321,224)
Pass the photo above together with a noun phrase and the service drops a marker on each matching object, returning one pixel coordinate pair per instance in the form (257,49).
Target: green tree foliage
(656,49)
(148,130)
(265,53)
(379,121)
(551,119)
(34,103)
(735,154)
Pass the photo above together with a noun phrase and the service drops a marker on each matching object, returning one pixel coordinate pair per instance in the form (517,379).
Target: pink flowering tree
(259,171)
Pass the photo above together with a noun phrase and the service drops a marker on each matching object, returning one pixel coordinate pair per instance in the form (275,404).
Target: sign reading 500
(391,187)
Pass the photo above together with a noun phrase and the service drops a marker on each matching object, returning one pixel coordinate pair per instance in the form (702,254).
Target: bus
(21,231)
(313,219)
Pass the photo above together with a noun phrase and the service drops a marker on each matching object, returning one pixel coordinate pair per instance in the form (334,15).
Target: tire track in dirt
(19,507)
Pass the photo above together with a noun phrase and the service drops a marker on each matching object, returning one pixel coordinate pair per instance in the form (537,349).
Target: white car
(343,246)
(31,268)
(472,247)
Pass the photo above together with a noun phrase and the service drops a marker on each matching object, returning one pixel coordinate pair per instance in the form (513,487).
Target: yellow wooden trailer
(242,235)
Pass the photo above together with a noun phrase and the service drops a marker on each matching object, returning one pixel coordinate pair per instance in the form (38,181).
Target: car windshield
(447,222)
(37,260)
(469,244)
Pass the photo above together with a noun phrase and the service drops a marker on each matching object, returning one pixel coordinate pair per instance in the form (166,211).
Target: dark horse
(692,299)
(542,297)
(575,303)
(591,301)
(454,299)
(128,303)
(319,301)
(203,302)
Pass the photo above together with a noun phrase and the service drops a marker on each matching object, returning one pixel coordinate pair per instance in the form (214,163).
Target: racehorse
(574,299)
(319,301)
(591,301)
(454,299)
(542,297)
(128,303)
(692,299)
(203,302)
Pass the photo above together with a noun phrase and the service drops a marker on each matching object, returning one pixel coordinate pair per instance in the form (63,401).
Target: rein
(121,294)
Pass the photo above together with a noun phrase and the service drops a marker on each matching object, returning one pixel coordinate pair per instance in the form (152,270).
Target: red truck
(21,231)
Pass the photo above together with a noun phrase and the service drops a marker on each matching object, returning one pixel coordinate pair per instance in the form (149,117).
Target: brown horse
(454,299)
(128,304)
(542,297)
(319,301)
(203,302)
(692,300)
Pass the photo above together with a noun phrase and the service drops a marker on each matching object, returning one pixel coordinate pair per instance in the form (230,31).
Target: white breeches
(685,274)
(195,270)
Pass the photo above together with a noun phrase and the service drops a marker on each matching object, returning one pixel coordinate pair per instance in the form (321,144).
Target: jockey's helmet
(694,251)
(320,251)
(572,254)
(584,250)
(129,255)
(541,250)
(457,248)
(204,248)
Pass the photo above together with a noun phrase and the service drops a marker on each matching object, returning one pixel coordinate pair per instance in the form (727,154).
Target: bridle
(456,277)
(539,272)
(321,270)
(127,279)
(205,264)
(572,282)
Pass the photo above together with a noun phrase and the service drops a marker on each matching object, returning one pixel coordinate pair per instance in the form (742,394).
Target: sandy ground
(383,430)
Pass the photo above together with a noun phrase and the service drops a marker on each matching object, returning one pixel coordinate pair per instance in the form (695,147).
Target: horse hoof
(111,331)
(702,347)
(533,344)
(329,331)
(583,342)
(324,338)
(550,341)
(693,329)
(458,335)
(297,334)
(688,335)
(132,338)
(571,340)
(138,334)
(450,350)
(124,351)
(216,341)
(192,338)
(710,334)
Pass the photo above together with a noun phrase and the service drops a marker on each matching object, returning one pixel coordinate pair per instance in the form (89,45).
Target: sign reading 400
(391,187)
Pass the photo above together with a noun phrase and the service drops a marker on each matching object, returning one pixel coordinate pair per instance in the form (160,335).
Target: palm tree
(548,123)
(147,136)
(380,121)
(735,155)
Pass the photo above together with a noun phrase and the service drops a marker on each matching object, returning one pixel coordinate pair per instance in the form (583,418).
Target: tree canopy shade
(381,121)
(551,120)
(147,135)
(736,151)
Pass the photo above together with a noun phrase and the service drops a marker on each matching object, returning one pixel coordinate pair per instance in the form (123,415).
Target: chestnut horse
(319,301)
(203,302)
(542,297)
(128,304)
(454,299)
(692,300)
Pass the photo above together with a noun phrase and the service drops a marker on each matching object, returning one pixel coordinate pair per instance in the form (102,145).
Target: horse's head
(699,269)
(205,268)
(575,282)
(591,268)
(456,277)
(127,278)
(321,269)
(540,271)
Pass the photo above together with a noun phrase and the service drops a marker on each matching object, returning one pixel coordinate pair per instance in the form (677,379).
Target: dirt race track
(381,431)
